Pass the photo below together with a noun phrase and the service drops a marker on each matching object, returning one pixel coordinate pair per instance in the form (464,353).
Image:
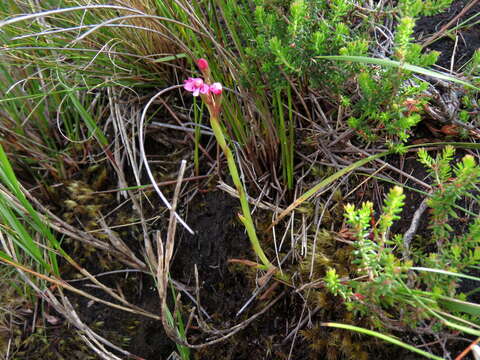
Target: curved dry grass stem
(92,27)
(66,286)
(143,16)
(141,140)
(161,39)
(46,13)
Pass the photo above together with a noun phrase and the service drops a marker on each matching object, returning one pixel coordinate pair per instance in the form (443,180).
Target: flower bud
(202,64)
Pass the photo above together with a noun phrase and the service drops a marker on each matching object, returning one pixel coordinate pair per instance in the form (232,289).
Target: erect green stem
(245,217)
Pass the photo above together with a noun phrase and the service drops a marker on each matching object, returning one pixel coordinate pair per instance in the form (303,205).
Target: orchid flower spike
(196,86)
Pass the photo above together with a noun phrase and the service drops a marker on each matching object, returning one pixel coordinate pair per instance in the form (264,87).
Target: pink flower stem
(245,217)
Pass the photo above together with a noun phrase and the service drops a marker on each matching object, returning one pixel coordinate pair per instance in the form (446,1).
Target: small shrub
(382,103)
(383,287)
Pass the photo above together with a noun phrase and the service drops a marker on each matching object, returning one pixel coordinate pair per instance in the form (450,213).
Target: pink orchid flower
(216,88)
(196,86)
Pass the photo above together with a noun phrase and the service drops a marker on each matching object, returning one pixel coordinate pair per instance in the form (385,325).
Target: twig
(260,204)
(444,28)
(262,286)
(64,285)
(407,238)
(301,324)
(144,157)
(162,183)
(465,352)
(391,167)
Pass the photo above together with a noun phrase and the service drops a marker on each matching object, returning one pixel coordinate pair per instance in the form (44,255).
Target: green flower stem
(246,218)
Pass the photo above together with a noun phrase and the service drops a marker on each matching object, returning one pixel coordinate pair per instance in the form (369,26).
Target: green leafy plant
(382,286)
(374,261)
(70,69)
(455,252)
(425,8)
(388,101)
(391,98)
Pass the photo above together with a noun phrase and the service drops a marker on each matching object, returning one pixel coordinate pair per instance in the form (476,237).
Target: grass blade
(444,272)
(384,337)
(327,182)
(460,306)
(397,64)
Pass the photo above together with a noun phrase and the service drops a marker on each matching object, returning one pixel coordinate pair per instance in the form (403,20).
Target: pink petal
(189,85)
(197,82)
(205,89)
(216,88)
(196,92)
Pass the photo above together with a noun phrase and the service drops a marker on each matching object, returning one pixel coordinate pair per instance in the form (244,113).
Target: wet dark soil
(461,44)
(224,287)
(218,236)
(139,335)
